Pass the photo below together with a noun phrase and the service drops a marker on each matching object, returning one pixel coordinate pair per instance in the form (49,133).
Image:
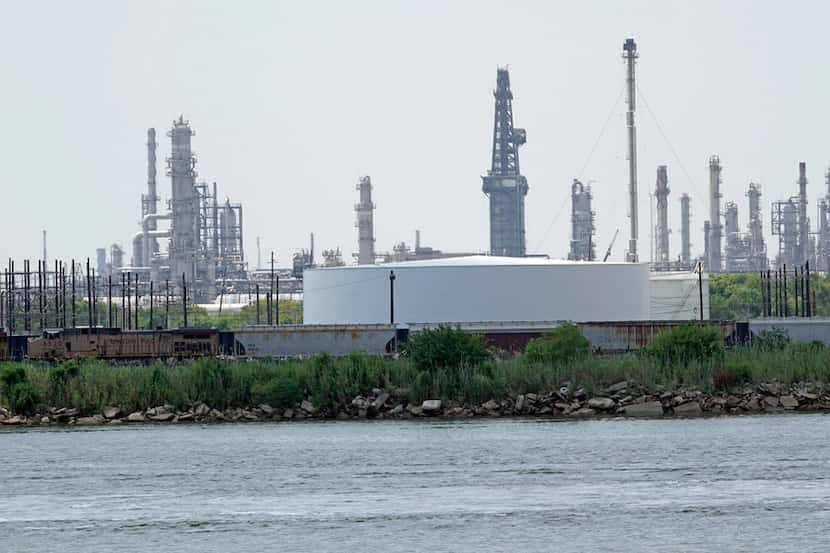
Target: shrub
(279,391)
(12,375)
(734,372)
(23,398)
(445,348)
(565,343)
(686,344)
(19,392)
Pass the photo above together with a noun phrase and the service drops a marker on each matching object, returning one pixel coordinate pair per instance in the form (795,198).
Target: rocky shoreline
(621,399)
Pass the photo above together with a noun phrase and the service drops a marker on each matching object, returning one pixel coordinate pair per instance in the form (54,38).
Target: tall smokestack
(685,243)
(803,223)
(630,55)
(661,192)
(365,223)
(151,199)
(715,227)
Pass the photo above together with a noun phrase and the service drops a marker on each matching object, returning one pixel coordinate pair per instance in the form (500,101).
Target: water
(754,484)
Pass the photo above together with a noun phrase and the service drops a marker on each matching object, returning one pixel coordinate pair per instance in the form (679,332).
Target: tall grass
(331,381)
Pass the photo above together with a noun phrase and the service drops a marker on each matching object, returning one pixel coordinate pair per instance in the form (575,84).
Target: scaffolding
(504,184)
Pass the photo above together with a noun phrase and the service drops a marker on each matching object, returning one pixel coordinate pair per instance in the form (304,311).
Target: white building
(485,288)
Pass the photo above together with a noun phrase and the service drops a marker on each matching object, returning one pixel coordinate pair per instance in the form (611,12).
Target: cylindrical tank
(478,288)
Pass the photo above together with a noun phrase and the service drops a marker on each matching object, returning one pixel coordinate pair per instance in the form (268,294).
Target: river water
(754,484)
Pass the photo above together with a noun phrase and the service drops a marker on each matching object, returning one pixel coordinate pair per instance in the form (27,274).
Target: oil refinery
(190,244)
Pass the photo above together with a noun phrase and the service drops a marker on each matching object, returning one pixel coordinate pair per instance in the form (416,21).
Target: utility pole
(392,297)
(257,304)
(271,299)
(700,287)
(184,297)
(73,294)
(167,303)
(88,294)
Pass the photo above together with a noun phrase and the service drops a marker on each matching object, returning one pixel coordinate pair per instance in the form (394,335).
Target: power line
(584,166)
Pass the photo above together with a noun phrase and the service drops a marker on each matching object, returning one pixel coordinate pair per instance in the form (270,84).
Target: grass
(328,381)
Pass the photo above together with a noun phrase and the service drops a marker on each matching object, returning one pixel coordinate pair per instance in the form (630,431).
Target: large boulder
(491,405)
(138,416)
(788,402)
(431,407)
(646,409)
(86,421)
(616,388)
(688,409)
(308,407)
(380,401)
(111,412)
(601,403)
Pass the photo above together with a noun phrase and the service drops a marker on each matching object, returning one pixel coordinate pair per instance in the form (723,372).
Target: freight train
(304,340)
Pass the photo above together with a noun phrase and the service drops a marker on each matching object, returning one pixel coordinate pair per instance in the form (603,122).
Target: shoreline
(623,399)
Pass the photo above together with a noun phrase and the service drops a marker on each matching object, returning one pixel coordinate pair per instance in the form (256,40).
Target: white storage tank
(478,288)
(675,296)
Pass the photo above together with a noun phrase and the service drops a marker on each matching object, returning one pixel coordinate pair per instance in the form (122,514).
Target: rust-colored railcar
(113,343)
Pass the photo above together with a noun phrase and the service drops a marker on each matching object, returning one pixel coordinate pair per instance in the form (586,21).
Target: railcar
(115,344)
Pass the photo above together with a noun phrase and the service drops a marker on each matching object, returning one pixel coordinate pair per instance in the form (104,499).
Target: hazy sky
(292,101)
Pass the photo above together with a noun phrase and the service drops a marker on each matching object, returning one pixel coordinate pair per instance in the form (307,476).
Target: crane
(611,245)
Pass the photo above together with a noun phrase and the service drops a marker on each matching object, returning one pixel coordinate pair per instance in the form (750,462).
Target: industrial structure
(745,252)
(714,259)
(365,210)
(582,223)
(661,193)
(504,184)
(630,55)
(792,226)
(685,234)
(823,241)
(204,236)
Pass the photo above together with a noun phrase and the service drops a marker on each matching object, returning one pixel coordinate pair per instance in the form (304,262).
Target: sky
(292,102)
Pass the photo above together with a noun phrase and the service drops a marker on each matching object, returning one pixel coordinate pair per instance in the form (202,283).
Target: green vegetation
(330,382)
(445,348)
(19,393)
(565,343)
(738,296)
(687,344)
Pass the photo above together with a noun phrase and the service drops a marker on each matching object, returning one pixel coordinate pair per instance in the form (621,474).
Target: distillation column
(715,228)
(661,192)
(504,183)
(734,254)
(365,223)
(803,221)
(181,164)
(685,236)
(757,246)
(582,223)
